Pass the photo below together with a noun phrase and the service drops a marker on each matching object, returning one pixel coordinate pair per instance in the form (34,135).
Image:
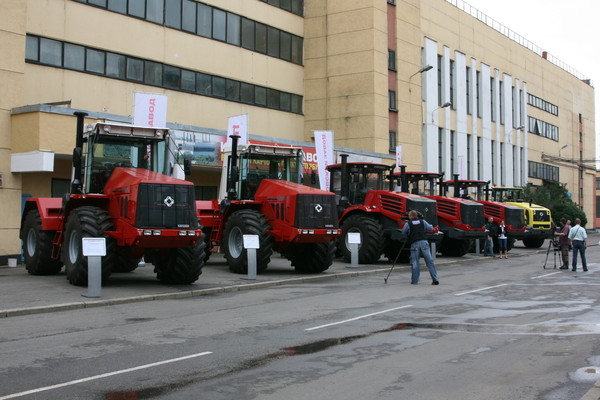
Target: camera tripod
(552,243)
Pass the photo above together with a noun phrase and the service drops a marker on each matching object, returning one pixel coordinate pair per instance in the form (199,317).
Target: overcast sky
(567,29)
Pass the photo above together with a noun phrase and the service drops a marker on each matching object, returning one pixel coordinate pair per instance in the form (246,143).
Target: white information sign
(238,125)
(353,238)
(93,246)
(251,242)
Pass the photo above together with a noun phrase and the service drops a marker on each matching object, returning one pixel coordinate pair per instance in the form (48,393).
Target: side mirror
(313,177)
(187,166)
(77,157)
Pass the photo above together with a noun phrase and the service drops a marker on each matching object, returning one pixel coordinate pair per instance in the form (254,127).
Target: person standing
(564,243)
(578,237)
(415,228)
(490,228)
(502,240)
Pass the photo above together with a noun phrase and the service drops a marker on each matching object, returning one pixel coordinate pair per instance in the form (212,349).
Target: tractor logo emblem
(541,213)
(318,208)
(169,201)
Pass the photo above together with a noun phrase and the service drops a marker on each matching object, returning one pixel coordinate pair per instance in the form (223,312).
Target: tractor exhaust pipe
(456,185)
(403,179)
(76,184)
(233,173)
(345,178)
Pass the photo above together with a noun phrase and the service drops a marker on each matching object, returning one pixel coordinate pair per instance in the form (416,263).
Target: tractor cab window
(362,182)
(104,154)
(254,167)
(508,195)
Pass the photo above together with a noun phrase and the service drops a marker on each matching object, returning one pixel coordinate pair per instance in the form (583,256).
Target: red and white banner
(238,125)
(150,110)
(398,157)
(324,148)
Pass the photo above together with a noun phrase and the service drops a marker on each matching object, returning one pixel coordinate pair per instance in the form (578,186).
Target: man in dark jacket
(415,228)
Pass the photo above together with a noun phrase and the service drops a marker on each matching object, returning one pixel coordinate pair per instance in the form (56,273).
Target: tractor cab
(108,146)
(362,177)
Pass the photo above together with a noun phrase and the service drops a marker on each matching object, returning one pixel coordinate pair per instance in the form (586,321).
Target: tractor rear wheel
(246,222)
(37,246)
(125,263)
(393,248)
(311,258)
(371,238)
(533,243)
(86,222)
(180,265)
(455,247)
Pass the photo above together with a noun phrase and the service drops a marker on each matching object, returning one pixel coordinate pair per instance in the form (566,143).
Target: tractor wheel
(311,258)
(533,243)
(371,238)
(246,222)
(208,247)
(125,264)
(180,265)
(391,252)
(37,247)
(86,222)
(455,247)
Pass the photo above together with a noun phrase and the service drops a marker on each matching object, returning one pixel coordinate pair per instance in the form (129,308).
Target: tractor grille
(166,207)
(393,204)
(514,217)
(541,216)
(316,211)
(472,214)
(426,207)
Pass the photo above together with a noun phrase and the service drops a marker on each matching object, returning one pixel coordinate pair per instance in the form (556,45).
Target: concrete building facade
(459,95)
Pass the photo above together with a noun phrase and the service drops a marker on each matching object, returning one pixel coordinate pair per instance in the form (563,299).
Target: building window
(213,23)
(542,128)
(478,94)
(440,150)
(543,171)
(392,100)
(452,84)
(118,66)
(493,97)
(501,101)
(440,78)
(392,141)
(392,2)
(391,60)
(469,92)
(542,104)
(597,183)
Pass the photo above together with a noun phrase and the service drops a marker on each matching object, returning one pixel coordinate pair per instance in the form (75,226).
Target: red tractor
(120,191)
(368,205)
(265,197)
(513,216)
(461,220)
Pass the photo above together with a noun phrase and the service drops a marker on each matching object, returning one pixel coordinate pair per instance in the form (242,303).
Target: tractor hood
(124,177)
(276,188)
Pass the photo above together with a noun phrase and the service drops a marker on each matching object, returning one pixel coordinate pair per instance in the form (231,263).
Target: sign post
(94,249)
(354,242)
(251,243)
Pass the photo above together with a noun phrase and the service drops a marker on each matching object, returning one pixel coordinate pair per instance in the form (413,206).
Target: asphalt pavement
(24,294)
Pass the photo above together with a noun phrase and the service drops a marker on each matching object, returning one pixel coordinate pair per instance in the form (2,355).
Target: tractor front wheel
(455,247)
(311,258)
(246,222)
(37,246)
(371,238)
(533,243)
(180,265)
(86,222)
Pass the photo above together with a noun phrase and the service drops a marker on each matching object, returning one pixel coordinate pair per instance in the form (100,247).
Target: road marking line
(91,378)
(354,319)
(473,291)
(545,275)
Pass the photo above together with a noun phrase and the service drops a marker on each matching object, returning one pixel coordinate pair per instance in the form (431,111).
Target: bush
(554,197)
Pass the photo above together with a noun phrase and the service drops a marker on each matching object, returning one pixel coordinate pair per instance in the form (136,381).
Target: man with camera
(415,228)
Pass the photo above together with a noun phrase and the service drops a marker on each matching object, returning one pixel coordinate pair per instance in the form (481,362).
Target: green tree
(554,197)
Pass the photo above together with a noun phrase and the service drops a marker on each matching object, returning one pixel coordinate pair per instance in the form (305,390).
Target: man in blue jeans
(578,237)
(415,228)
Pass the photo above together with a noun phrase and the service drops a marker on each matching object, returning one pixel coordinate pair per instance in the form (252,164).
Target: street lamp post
(445,105)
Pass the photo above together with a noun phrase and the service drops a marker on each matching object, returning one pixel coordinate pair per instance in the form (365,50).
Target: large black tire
(455,247)
(125,263)
(207,249)
(86,222)
(246,222)
(392,249)
(533,243)
(311,258)
(37,246)
(371,238)
(180,266)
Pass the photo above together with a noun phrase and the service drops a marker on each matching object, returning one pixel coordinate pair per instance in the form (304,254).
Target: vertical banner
(150,110)
(238,125)
(324,147)
(398,157)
